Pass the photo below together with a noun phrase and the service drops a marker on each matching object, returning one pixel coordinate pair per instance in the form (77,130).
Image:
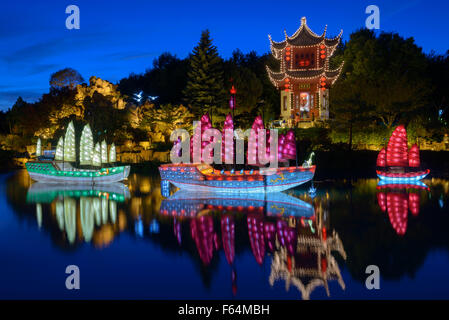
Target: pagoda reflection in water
(293,232)
(397,199)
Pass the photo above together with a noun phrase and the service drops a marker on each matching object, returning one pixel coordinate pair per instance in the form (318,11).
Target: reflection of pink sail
(270,235)
(413,203)
(202,229)
(382,200)
(287,236)
(227,235)
(177,230)
(397,206)
(256,236)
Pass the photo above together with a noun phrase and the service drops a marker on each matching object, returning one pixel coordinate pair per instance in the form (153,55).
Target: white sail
(96,159)
(112,154)
(104,152)
(38,147)
(69,144)
(59,154)
(86,146)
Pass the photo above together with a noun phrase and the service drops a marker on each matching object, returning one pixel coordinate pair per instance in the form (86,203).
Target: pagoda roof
(304,36)
(304,74)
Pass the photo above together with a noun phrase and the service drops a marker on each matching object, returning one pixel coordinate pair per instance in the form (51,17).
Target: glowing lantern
(413,160)
(38,147)
(228,146)
(96,159)
(397,150)
(382,158)
(59,149)
(86,146)
(69,143)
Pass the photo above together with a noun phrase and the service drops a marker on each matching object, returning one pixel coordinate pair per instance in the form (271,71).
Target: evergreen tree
(204,91)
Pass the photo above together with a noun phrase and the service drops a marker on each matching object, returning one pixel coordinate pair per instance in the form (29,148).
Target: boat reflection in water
(293,232)
(397,199)
(97,207)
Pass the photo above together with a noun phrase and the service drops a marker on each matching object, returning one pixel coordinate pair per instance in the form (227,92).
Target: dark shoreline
(334,164)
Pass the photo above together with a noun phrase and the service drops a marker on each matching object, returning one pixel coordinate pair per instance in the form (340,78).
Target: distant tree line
(386,80)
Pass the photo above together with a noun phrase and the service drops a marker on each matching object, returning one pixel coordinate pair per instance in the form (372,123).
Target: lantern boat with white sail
(60,169)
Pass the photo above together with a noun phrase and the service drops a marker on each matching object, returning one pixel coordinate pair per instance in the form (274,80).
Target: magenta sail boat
(203,177)
(396,162)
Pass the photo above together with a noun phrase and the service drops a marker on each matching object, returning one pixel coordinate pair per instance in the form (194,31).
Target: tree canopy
(67,77)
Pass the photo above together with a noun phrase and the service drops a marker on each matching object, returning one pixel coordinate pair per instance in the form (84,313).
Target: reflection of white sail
(104,210)
(70,218)
(59,154)
(96,208)
(112,210)
(86,146)
(39,214)
(104,152)
(96,159)
(60,214)
(112,154)
(87,218)
(69,144)
(38,147)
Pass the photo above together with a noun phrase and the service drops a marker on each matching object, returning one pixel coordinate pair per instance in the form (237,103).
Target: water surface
(131,242)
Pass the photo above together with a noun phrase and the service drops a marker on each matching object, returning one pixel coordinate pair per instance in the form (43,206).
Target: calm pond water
(130,242)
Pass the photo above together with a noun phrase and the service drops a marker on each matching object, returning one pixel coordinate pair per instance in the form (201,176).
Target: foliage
(204,91)
(65,78)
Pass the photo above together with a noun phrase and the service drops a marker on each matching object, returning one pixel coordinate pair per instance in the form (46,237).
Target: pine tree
(204,91)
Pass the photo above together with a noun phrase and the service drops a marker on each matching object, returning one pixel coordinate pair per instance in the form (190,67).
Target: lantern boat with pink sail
(205,178)
(397,163)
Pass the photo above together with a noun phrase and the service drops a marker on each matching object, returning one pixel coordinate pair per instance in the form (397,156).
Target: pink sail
(228,151)
(197,134)
(253,140)
(289,148)
(382,158)
(413,156)
(397,149)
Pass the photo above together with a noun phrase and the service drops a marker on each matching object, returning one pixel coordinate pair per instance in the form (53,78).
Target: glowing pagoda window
(304,104)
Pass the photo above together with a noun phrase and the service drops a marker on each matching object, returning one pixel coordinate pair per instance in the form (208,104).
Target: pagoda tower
(304,77)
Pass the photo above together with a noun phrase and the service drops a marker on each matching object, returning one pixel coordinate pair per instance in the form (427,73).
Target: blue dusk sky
(119,37)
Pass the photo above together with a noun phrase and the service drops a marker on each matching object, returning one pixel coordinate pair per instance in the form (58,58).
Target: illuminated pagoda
(304,77)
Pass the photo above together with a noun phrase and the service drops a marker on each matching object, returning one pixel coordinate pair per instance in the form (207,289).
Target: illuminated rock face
(103,87)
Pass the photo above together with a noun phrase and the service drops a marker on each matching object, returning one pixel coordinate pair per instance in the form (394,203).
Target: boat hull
(402,177)
(188,177)
(48,173)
